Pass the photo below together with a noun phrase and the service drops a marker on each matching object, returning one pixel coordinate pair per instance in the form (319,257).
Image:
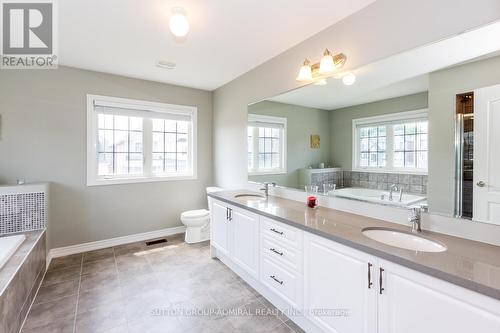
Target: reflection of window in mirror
(391,143)
(266,144)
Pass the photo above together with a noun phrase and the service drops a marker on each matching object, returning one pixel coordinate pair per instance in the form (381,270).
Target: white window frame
(255,118)
(386,119)
(93,179)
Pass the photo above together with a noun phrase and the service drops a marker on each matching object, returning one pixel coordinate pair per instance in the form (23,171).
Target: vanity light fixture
(327,67)
(305,72)
(179,24)
(321,82)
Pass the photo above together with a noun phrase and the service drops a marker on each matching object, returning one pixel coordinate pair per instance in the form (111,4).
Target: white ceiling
(402,74)
(227,37)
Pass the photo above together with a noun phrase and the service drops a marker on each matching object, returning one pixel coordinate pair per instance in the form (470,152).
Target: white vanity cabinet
(380,296)
(219,226)
(413,302)
(244,231)
(281,259)
(235,232)
(340,290)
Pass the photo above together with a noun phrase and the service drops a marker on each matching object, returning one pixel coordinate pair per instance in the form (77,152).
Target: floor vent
(158,241)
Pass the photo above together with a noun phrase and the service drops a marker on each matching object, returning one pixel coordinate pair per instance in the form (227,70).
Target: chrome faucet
(395,188)
(266,187)
(415,219)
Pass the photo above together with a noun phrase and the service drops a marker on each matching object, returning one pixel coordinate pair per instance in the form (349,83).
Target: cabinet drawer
(281,231)
(283,282)
(281,253)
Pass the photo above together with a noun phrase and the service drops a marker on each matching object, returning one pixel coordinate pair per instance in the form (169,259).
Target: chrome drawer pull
(370,283)
(277,252)
(380,283)
(275,279)
(276,231)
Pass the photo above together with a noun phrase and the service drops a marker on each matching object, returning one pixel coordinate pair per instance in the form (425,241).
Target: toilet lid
(192,214)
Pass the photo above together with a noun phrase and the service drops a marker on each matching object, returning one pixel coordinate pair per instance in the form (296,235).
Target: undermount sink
(402,239)
(250,196)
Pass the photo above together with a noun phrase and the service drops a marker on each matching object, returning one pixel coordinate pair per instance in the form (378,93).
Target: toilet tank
(211,190)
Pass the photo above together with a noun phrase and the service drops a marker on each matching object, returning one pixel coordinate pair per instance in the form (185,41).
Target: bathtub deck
(19,280)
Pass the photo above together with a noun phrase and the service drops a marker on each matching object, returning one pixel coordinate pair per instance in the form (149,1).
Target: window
(391,143)
(136,141)
(372,146)
(266,144)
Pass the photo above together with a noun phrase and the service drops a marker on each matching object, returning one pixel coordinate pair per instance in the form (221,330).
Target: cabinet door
(337,291)
(219,227)
(412,302)
(245,240)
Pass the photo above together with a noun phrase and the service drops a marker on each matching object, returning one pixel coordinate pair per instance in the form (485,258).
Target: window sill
(133,180)
(264,173)
(398,171)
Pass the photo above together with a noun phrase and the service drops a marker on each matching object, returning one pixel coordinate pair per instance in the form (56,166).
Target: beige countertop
(469,264)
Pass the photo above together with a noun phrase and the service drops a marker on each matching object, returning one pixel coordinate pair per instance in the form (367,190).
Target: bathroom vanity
(318,267)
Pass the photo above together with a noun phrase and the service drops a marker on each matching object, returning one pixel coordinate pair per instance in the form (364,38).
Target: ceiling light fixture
(179,24)
(327,67)
(349,79)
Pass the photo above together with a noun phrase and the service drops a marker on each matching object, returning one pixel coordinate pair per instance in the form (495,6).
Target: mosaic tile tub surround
(416,184)
(22,211)
(330,177)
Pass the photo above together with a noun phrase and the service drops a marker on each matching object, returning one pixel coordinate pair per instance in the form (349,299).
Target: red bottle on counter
(312,201)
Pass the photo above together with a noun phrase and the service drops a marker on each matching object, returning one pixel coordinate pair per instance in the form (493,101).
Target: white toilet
(197,222)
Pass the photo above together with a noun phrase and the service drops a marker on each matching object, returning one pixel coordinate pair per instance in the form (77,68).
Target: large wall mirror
(415,129)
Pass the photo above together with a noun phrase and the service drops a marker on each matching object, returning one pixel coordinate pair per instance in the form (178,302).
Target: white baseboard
(97,245)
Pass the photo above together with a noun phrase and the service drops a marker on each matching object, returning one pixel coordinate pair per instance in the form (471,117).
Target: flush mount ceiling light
(179,24)
(327,67)
(349,79)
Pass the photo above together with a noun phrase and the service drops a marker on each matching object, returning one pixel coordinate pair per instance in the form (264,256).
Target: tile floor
(139,288)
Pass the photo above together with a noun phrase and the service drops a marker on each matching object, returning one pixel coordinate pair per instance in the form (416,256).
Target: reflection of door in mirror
(486,184)
(465,154)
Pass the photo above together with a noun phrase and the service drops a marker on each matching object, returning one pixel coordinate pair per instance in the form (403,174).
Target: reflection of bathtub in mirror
(379,196)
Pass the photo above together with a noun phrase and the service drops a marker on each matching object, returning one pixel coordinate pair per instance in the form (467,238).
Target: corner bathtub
(379,196)
(9,245)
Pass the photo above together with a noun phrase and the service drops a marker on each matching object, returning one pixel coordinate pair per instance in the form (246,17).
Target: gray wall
(341,122)
(301,123)
(443,87)
(43,138)
(384,28)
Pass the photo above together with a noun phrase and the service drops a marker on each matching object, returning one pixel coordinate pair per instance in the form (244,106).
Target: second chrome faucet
(266,187)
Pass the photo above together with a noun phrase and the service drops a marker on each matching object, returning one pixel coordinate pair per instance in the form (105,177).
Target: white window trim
(94,180)
(277,120)
(386,118)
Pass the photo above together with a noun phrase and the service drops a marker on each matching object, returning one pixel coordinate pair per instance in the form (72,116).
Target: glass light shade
(305,73)
(326,65)
(349,79)
(179,24)
(321,82)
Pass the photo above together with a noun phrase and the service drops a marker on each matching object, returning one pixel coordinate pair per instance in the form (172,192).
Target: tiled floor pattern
(139,288)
